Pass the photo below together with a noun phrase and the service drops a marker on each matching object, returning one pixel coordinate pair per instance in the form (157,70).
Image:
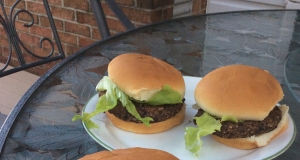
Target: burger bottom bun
(261,140)
(130,154)
(143,129)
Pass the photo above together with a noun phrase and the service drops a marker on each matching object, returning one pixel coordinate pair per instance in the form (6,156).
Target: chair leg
(118,12)
(100,18)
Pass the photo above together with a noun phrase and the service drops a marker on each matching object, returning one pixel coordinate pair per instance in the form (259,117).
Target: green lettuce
(206,125)
(165,96)
(229,118)
(109,101)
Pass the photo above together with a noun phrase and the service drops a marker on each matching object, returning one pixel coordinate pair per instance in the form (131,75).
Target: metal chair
(100,17)
(8,23)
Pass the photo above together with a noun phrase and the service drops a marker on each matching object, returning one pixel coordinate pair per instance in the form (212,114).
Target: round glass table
(41,127)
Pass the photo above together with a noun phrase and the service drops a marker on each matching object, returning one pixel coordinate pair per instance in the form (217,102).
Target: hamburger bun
(142,76)
(143,129)
(131,154)
(245,92)
(257,141)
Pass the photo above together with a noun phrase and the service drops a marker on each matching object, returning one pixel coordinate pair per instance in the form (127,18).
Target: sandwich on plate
(238,106)
(131,154)
(141,94)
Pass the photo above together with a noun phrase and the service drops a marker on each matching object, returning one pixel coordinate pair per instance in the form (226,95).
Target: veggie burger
(238,105)
(131,154)
(141,94)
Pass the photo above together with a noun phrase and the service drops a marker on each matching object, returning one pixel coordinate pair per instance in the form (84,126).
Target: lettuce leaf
(229,118)
(206,125)
(109,101)
(165,96)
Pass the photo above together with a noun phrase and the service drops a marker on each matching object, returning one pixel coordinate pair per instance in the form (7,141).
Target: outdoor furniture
(15,43)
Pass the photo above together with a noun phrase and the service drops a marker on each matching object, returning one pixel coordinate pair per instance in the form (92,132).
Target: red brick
(50,64)
(4,41)
(20,26)
(64,13)
(77,29)
(1,13)
(142,15)
(86,26)
(29,39)
(83,42)
(45,22)
(2,32)
(139,24)
(46,44)
(203,11)
(54,2)
(14,62)
(153,4)
(107,10)
(6,52)
(71,49)
(77,4)
(30,70)
(3,60)
(167,13)
(29,58)
(86,18)
(68,38)
(40,67)
(27,18)
(199,7)
(113,32)
(137,15)
(20,5)
(96,33)
(40,51)
(7,9)
(196,6)
(40,71)
(41,31)
(35,7)
(115,25)
(203,4)
(28,47)
(127,2)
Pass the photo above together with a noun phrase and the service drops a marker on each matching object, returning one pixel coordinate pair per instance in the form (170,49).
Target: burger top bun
(245,92)
(131,154)
(141,76)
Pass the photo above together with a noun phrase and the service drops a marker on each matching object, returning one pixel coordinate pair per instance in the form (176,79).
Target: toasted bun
(141,76)
(258,141)
(245,92)
(131,154)
(143,129)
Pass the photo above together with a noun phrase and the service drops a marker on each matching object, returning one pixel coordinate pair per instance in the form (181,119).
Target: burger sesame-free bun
(261,140)
(141,76)
(245,92)
(143,129)
(131,154)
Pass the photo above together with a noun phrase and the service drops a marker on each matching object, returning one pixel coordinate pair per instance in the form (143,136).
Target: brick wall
(76,25)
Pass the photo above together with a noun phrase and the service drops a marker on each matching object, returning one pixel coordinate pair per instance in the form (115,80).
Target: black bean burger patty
(157,113)
(248,128)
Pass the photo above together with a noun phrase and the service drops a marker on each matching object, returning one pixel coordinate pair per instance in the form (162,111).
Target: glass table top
(41,126)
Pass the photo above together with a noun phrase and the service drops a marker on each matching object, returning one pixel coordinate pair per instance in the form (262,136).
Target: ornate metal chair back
(8,20)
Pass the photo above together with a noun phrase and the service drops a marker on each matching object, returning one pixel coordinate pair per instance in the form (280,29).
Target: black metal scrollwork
(8,23)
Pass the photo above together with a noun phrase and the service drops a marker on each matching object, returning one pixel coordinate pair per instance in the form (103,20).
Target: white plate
(172,140)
